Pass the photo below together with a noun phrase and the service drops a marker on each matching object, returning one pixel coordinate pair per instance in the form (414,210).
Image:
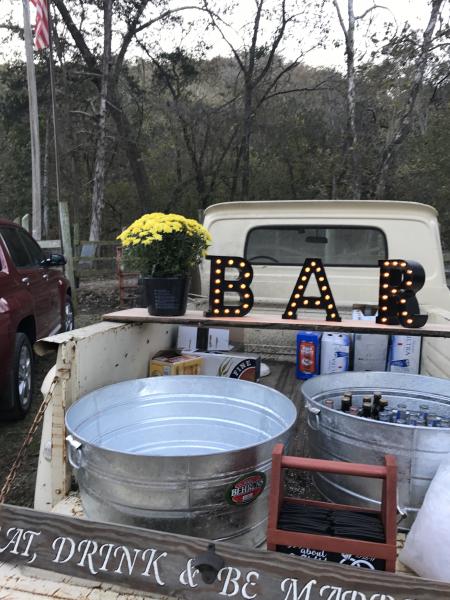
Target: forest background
(150,117)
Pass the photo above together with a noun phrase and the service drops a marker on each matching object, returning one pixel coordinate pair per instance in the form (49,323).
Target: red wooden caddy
(388,473)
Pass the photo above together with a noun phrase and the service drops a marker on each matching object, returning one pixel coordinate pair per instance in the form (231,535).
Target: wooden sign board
(163,563)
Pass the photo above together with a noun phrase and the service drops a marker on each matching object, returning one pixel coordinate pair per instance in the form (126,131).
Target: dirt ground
(94,299)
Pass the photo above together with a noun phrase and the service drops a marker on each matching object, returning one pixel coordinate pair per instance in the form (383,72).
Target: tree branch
(341,20)
(223,36)
(369,10)
(77,36)
(317,88)
(168,13)
(130,33)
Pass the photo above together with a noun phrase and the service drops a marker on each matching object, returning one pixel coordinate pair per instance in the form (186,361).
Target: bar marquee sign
(399,282)
(165,563)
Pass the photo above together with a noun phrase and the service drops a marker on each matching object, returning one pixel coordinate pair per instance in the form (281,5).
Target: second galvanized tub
(335,435)
(184,454)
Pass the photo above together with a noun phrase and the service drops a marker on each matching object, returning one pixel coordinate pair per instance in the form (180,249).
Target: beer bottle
(383,404)
(346,402)
(366,407)
(379,404)
(376,398)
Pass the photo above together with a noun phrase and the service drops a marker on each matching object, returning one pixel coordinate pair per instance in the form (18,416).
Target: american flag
(41,35)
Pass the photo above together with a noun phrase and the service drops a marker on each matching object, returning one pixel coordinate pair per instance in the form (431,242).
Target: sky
(416,12)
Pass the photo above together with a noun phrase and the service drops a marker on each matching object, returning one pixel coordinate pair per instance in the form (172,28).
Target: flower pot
(166,296)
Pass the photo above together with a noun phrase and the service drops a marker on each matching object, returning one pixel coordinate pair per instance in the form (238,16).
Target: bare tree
(133,21)
(256,61)
(403,123)
(199,120)
(351,141)
(98,191)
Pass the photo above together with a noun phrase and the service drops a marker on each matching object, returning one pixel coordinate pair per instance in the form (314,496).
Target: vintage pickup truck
(350,237)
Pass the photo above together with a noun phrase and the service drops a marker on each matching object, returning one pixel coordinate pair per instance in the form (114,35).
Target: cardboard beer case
(192,338)
(171,362)
(236,365)
(308,354)
(404,354)
(334,353)
(369,349)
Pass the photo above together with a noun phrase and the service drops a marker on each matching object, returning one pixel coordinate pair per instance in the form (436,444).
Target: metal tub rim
(286,422)
(408,378)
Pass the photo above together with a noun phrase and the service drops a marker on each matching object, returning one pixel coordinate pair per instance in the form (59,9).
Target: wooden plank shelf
(274,321)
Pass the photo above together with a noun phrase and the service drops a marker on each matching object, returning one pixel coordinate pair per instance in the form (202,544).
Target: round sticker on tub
(246,489)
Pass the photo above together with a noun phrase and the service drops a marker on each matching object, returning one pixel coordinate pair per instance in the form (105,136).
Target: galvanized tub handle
(402,514)
(74,451)
(312,410)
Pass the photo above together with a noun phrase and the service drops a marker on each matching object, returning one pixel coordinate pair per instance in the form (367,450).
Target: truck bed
(25,583)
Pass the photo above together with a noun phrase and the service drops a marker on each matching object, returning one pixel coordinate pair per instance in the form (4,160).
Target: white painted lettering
(90,549)
(188,576)
(381,597)
(126,555)
(290,586)
(248,582)
(108,548)
(153,563)
(59,545)
(353,595)
(232,577)
(31,535)
(16,534)
(334,592)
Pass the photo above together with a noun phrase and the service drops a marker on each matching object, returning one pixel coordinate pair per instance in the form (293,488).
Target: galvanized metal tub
(335,435)
(183,454)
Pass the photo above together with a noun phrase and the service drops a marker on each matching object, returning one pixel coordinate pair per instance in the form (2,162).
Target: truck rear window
(336,246)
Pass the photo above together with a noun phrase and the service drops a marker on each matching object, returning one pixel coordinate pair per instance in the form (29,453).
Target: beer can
(424,409)
(401,411)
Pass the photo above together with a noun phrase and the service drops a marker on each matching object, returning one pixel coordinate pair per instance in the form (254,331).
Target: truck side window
(336,246)
(33,249)
(16,249)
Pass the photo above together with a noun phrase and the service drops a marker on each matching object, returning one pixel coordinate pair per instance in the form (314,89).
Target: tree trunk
(133,151)
(246,137)
(404,122)
(236,169)
(352,138)
(98,192)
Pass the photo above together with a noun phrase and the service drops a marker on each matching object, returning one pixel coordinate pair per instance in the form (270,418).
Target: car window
(336,246)
(32,247)
(16,248)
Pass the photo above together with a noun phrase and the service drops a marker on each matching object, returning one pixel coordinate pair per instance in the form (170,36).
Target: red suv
(35,301)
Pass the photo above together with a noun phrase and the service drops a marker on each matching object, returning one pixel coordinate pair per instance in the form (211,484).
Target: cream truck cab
(350,236)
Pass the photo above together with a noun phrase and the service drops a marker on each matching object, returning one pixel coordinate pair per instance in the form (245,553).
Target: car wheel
(18,392)
(69,315)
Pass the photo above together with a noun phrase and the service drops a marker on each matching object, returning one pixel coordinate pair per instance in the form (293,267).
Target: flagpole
(34,127)
(63,206)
